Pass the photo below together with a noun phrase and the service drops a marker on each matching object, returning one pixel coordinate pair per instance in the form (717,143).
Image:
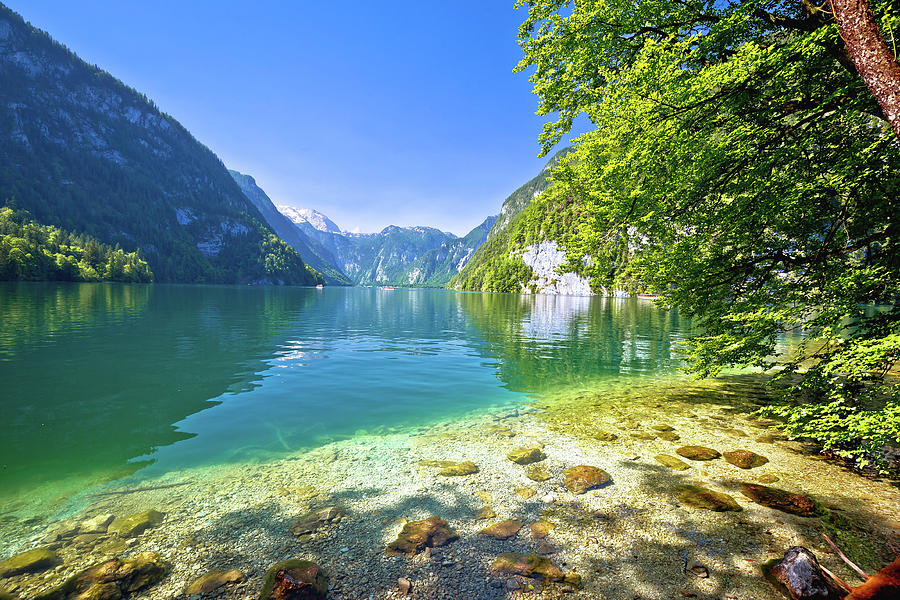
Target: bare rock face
(418,535)
(295,580)
(800,574)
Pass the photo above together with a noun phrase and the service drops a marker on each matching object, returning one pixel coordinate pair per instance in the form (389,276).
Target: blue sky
(403,113)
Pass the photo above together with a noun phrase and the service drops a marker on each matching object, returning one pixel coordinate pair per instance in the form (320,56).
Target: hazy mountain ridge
(84,152)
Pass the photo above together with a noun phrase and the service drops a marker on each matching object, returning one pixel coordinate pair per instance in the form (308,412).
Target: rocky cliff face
(545,260)
(80,150)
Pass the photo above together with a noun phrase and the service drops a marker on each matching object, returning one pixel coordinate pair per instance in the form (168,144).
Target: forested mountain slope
(82,151)
(311,251)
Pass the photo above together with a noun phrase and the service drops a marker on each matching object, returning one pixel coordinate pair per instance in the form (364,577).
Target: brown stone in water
(745,459)
(663,427)
(582,478)
(503,530)
(537,473)
(485,512)
(110,580)
(701,497)
(541,529)
(418,535)
(672,462)
(526,565)
(526,456)
(796,504)
(316,519)
(698,453)
(213,581)
(669,436)
(801,576)
(295,580)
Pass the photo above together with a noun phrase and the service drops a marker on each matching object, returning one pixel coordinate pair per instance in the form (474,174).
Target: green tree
(740,168)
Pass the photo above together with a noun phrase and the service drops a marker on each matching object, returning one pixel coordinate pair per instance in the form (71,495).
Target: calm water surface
(100,381)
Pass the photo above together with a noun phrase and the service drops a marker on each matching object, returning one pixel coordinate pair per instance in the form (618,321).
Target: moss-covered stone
(503,530)
(669,436)
(537,473)
(32,561)
(459,469)
(796,504)
(526,456)
(698,453)
(484,513)
(745,459)
(582,478)
(418,535)
(663,427)
(213,581)
(672,462)
(707,499)
(767,478)
(111,580)
(295,579)
(525,492)
(134,525)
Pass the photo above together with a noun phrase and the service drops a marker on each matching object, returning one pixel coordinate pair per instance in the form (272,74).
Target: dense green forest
(33,252)
(741,168)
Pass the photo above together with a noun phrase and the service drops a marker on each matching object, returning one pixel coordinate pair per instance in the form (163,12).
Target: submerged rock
(796,504)
(672,462)
(295,579)
(316,519)
(705,498)
(698,453)
(537,473)
(526,456)
(541,529)
(213,581)
(642,435)
(532,566)
(669,436)
(802,577)
(484,513)
(767,478)
(525,492)
(31,561)
(745,459)
(503,530)
(97,524)
(582,478)
(605,436)
(458,469)
(663,427)
(418,535)
(134,525)
(111,580)
(436,463)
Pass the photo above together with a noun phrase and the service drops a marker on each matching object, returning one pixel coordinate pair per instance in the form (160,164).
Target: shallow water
(102,380)
(234,411)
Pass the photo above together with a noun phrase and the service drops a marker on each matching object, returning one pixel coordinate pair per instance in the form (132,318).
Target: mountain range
(83,152)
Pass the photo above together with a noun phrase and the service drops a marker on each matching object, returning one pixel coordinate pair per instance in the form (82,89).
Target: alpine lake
(230,428)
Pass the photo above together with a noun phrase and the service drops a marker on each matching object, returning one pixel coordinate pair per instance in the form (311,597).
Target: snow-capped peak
(308,215)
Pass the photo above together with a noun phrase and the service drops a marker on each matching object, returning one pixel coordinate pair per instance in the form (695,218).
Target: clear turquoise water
(102,380)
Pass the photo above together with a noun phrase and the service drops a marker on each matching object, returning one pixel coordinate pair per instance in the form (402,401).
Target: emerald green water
(103,380)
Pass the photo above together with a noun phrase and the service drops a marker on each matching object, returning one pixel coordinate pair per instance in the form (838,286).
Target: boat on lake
(386,287)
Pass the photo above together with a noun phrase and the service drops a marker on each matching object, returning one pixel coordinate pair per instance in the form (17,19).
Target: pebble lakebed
(630,538)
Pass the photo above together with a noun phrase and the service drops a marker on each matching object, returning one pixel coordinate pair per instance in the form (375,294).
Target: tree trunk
(871,56)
